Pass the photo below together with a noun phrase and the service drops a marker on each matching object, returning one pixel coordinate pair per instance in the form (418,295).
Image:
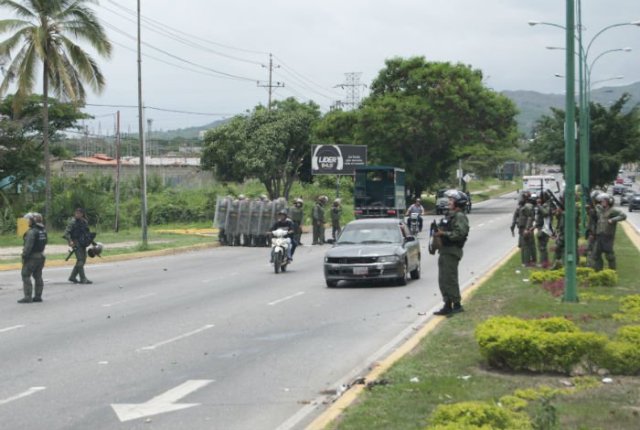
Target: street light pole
(570,294)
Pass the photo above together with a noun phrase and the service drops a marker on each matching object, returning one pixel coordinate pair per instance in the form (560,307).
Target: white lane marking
(165,402)
(182,336)
(29,392)
(107,305)
(14,327)
(284,299)
(481,225)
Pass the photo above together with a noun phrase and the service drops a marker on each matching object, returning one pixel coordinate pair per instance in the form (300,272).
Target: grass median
(447,367)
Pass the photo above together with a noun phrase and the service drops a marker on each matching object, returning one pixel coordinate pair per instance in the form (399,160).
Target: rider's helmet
(460,199)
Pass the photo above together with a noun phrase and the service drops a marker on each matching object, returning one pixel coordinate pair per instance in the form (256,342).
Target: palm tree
(46,31)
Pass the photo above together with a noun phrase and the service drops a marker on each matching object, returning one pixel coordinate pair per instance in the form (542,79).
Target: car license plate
(360,270)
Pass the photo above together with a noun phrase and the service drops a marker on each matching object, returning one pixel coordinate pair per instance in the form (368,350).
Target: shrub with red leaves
(556,288)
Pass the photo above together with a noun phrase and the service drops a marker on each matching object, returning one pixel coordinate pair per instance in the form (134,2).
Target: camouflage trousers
(32,267)
(448,276)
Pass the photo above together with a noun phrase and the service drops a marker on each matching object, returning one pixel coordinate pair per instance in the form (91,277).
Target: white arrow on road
(165,402)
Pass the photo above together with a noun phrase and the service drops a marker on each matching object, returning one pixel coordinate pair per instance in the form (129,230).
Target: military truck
(379,192)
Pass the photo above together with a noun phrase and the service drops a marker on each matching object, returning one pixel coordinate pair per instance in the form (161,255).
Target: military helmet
(29,216)
(594,194)
(298,200)
(604,196)
(283,211)
(460,199)
(95,250)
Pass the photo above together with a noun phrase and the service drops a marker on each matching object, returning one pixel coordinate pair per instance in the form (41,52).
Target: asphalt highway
(211,339)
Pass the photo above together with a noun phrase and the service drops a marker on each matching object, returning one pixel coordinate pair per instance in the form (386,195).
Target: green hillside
(533,105)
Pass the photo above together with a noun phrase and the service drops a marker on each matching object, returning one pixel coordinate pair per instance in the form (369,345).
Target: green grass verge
(450,369)
(156,240)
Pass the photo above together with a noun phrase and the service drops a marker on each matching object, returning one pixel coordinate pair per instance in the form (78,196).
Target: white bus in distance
(540,183)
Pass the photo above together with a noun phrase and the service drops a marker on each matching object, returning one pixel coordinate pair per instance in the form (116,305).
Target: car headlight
(326,259)
(388,259)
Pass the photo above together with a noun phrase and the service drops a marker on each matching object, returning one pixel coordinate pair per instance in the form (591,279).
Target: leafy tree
(21,135)
(424,116)
(270,145)
(45,32)
(615,139)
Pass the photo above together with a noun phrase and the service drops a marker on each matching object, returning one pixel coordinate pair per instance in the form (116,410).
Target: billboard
(337,159)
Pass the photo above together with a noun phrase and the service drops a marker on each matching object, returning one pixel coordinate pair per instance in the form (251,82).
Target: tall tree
(615,139)
(270,145)
(424,116)
(46,32)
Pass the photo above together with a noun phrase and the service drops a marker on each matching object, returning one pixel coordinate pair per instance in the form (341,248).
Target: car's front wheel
(402,280)
(332,284)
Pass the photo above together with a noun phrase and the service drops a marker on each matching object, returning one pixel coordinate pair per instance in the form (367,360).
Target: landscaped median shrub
(545,345)
(621,356)
(477,416)
(585,276)
(629,309)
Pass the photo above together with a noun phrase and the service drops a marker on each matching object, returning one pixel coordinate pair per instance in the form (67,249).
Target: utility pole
(271,85)
(353,86)
(149,143)
(143,167)
(117,224)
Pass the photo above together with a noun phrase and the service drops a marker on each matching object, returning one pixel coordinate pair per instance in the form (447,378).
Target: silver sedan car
(373,249)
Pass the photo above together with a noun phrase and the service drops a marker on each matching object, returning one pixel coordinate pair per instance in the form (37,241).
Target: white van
(540,183)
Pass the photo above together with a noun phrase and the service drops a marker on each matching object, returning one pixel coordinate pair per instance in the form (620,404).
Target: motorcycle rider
(285,223)
(416,208)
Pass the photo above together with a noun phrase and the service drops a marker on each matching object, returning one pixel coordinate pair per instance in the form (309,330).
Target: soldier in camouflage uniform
(524,219)
(297,216)
(542,215)
(559,237)
(608,218)
(593,210)
(336,214)
(318,220)
(79,237)
(35,239)
(453,232)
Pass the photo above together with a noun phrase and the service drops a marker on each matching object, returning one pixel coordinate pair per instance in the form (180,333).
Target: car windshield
(370,234)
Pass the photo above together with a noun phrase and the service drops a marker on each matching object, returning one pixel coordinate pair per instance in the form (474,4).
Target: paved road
(215,331)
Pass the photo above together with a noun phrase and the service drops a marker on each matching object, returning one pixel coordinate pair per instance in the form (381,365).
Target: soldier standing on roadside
(297,216)
(453,232)
(79,237)
(523,218)
(317,217)
(542,225)
(608,218)
(35,239)
(336,214)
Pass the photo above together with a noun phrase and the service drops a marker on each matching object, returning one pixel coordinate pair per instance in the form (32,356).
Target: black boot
(74,273)
(456,308)
(25,300)
(446,309)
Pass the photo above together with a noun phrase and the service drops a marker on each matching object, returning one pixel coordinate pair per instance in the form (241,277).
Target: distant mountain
(186,133)
(533,105)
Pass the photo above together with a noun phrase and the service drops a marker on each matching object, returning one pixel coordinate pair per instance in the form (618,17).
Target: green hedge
(622,355)
(585,276)
(477,416)
(552,344)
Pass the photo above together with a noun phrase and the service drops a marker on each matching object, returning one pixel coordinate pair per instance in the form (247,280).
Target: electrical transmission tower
(353,86)
(271,85)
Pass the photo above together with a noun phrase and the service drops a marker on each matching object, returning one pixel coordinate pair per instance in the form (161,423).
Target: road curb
(351,395)
(632,233)
(119,257)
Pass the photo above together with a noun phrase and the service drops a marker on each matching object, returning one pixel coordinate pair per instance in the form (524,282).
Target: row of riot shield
(245,222)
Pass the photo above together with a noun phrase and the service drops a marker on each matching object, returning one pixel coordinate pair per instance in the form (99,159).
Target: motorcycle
(280,244)
(414,223)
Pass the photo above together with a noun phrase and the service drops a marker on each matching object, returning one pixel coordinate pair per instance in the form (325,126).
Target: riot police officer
(608,218)
(35,239)
(452,231)
(318,220)
(79,237)
(297,216)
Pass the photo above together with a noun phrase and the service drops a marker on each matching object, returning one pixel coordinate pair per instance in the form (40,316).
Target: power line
(223,74)
(161,109)
(301,76)
(164,32)
(150,20)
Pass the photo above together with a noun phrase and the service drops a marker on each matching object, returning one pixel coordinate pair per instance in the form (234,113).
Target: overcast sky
(315,43)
